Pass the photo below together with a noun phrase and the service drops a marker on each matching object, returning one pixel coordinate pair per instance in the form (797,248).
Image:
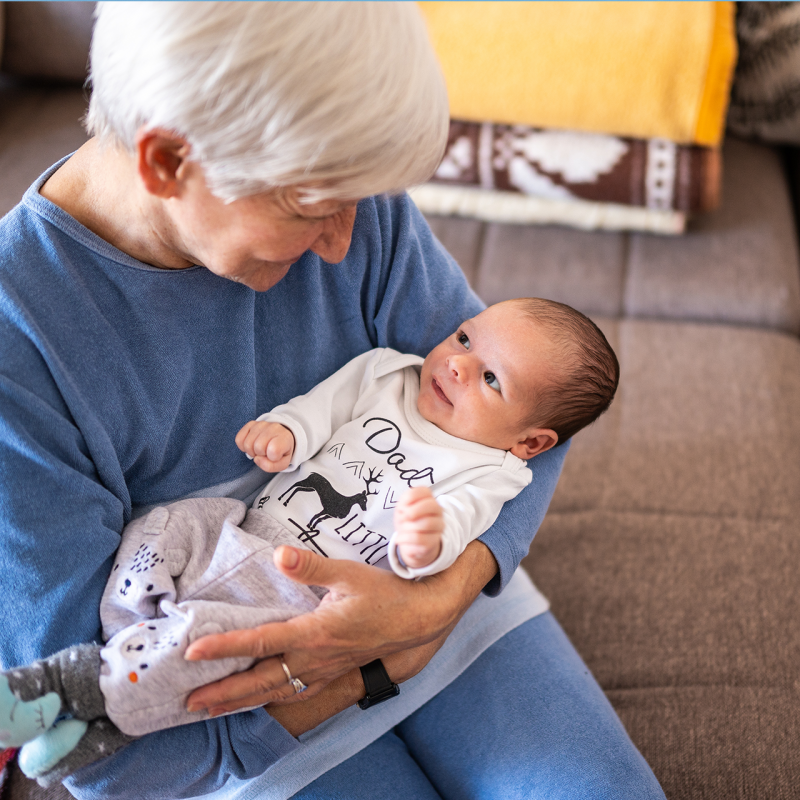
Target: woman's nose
(334,241)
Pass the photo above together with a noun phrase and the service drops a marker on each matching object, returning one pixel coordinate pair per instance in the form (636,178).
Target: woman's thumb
(306,567)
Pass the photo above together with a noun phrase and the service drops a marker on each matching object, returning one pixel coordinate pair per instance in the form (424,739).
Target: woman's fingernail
(192,707)
(289,557)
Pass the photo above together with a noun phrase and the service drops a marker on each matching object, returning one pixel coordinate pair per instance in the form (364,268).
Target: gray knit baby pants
(183,571)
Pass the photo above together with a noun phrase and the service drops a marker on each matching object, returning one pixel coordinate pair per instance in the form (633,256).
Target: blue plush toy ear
(42,753)
(20,720)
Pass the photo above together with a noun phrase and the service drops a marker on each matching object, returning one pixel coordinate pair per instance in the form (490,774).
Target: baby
(393,461)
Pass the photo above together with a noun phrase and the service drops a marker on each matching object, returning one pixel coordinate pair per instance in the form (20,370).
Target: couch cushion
(581,67)
(655,600)
(699,759)
(738,264)
(48,40)
(705,422)
(670,554)
(2,29)
(38,126)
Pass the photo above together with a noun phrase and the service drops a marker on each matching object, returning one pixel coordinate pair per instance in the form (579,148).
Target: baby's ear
(537,441)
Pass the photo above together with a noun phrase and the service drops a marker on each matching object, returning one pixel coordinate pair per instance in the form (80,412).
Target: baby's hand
(269,444)
(418,524)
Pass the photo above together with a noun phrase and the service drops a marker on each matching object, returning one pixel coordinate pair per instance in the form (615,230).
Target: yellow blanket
(639,69)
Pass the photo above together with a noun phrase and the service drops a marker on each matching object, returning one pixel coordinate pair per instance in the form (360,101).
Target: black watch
(378,684)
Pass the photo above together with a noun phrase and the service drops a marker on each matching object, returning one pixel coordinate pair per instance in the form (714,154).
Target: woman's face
(256,239)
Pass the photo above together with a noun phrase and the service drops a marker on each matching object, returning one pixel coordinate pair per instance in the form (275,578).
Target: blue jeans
(525,720)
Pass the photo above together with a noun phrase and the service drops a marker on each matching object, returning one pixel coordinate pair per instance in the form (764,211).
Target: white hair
(343,99)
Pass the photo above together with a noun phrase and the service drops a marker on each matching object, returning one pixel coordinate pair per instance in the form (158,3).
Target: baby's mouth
(439,393)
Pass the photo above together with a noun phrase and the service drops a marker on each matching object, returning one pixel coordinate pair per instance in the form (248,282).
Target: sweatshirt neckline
(67,224)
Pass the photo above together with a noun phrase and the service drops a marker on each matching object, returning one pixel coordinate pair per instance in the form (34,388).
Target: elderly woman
(235,232)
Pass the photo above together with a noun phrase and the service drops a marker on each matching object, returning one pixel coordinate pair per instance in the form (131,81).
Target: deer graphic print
(334,504)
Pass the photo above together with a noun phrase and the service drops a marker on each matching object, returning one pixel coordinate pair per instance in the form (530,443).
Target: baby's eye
(463,339)
(491,381)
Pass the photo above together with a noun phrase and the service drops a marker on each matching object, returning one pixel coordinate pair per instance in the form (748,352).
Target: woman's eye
(491,381)
(463,339)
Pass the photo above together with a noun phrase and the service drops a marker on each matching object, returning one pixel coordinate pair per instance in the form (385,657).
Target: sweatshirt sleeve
(187,761)
(62,508)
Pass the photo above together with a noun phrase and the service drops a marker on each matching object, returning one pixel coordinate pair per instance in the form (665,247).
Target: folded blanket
(565,165)
(519,209)
(639,69)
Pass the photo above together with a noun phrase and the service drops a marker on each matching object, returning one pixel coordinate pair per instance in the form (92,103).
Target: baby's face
(479,382)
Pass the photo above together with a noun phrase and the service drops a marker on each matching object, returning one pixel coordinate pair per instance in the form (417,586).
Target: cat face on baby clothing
(480,383)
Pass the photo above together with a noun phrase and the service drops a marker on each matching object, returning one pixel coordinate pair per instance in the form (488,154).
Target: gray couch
(673,540)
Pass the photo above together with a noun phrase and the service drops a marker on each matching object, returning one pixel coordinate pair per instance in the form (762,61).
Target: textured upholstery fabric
(686,736)
(738,264)
(765,96)
(705,422)
(20,788)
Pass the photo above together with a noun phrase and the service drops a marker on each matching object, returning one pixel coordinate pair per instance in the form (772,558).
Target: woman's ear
(537,441)
(160,156)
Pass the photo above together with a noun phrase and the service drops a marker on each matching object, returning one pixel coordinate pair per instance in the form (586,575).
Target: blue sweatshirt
(123,386)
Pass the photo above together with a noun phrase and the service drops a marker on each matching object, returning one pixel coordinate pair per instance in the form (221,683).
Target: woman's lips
(439,393)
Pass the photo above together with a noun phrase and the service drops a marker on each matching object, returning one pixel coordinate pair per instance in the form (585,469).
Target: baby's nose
(458,367)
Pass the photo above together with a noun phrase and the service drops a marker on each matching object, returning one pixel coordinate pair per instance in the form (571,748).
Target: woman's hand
(299,717)
(368,613)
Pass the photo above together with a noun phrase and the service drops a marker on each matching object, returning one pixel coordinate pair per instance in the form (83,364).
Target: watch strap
(378,684)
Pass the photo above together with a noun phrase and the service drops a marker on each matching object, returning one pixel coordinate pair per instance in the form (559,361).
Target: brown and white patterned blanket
(655,174)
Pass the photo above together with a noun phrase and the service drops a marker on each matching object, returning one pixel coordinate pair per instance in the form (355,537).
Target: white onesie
(360,442)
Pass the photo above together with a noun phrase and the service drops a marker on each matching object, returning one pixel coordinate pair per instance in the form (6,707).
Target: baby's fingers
(267,465)
(416,502)
(422,525)
(415,495)
(418,549)
(242,438)
(280,447)
(427,507)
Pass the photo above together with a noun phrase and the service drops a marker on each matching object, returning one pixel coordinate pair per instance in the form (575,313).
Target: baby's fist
(418,524)
(269,444)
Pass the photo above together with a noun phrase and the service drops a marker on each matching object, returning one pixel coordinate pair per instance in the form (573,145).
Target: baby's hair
(579,392)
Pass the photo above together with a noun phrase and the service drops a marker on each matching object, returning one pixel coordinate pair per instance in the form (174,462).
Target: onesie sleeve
(313,417)
(469,511)
(418,299)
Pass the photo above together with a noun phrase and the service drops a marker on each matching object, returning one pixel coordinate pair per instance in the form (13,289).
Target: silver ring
(297,684)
